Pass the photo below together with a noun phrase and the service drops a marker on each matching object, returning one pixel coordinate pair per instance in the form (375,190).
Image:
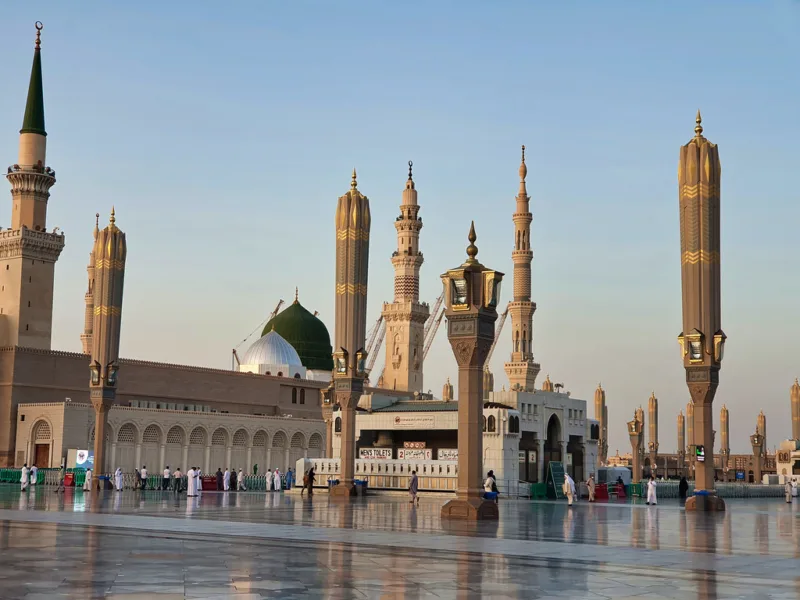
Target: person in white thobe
(191,482)
(788,491)
(34,474)
(240,482)
(226,480)
(269,480)
(569,489)
(118,479)
(276,481)
(87,483)
(651,491)
(24,478)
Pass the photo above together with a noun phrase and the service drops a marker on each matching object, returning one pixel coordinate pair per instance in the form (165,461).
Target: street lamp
(471,295)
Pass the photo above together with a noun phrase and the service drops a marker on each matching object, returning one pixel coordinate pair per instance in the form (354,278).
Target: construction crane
(432,315)
(235,361)
(371,358)
(432,335)
(373,335)
(497,333)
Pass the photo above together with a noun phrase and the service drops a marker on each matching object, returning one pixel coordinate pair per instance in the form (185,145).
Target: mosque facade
(274,403)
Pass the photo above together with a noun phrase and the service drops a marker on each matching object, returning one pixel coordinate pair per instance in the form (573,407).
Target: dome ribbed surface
(307,334)
(272,349)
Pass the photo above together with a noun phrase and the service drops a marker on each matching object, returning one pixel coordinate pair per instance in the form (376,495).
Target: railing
(669,489)
(433,475)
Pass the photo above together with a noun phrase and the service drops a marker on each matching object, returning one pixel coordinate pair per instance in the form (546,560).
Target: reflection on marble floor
(257,545)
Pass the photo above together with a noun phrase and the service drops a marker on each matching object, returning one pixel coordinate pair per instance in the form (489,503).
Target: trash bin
(332,482)
(361,487)
(105,482)
(69,479)
(490,495)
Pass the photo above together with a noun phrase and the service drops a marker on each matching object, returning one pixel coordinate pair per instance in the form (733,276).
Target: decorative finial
(698,129)
(795,381)
(39,26)
(472,249)
(354,183)
(113,218)
(295,295)
(410,164)
(523,168)
(96,224)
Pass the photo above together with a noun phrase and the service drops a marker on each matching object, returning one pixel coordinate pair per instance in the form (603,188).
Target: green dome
(306,333)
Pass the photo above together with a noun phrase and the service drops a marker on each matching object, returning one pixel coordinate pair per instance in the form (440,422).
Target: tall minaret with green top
(28,252)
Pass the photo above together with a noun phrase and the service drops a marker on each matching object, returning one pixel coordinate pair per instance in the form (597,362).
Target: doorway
(552,444)
(41,455)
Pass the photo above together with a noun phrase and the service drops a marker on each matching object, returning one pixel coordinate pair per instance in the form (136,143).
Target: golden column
(795,398)
(652,446)
(352,261)
(681,444)
(110,251)
(757,442)
(600,413)
(690,440)
(702,340)
(471,295)
(724,446)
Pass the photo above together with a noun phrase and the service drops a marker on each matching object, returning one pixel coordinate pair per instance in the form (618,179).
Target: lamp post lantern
(471,294)
(636,433)
(702,341)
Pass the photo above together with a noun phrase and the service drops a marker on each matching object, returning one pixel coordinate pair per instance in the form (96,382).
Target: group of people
(29,476)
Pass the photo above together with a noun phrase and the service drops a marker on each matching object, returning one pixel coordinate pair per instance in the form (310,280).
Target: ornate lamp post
(757,442)
(636,433)
(702,340)
(471,295)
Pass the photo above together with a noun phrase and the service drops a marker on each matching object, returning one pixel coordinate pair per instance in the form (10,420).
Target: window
(297,375)
(337,425)
(302,396)
(280,373)
(491,424)
(22,417)
(483,424)
(294,395)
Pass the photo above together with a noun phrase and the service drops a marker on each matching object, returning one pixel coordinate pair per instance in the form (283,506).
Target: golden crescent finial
(410,164)
(354,183)
(295,295)
(472,249)
(113,218)
(39,26)
(698,128)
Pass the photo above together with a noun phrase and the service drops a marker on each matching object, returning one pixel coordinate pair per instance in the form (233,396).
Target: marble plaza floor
(137,545)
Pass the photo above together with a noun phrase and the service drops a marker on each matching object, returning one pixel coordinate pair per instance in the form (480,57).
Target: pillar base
(343,490)
(705,502)
(471,509)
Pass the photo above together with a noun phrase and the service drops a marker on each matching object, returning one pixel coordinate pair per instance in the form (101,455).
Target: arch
(280,373)
(315,442)
(151,434)
(491,424)
(302,396)
(294,395)
(260,439)
(298,440)
(279,440)
(219,437)
(297,375)
(127,434)
(553,433)
(176,435)
(337,425)
(483,424)
(41,431)
(109,433)
(240,438)
(198,436)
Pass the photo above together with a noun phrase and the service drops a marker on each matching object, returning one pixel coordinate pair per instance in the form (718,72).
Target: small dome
(305,333)
(272,349)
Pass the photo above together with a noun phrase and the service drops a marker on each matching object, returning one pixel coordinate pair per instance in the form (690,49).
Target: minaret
(600,413)
(652,446)
(522,370)
(795,398)
(88,317)
(447,391)
(353,221)
(724,446)
(110,251)
(405,317)
(761,428)
(28,253)
(681,443)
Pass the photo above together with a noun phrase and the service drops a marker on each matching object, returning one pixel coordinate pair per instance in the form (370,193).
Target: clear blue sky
(225,137)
